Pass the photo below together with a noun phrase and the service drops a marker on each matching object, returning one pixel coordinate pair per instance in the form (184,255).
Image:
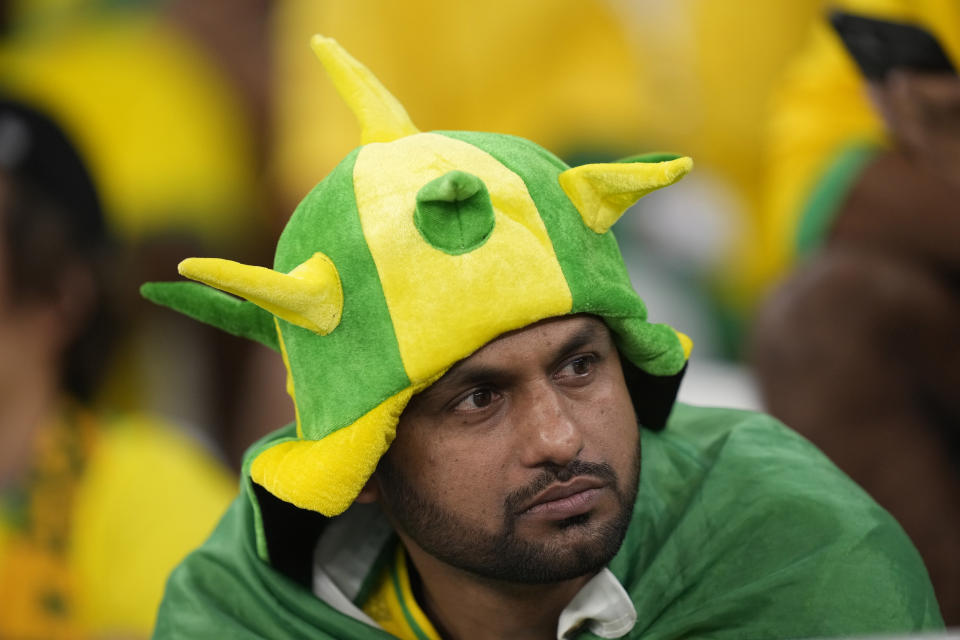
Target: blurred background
(202,124)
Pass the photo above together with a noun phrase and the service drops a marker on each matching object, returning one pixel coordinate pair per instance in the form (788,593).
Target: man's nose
(550,431)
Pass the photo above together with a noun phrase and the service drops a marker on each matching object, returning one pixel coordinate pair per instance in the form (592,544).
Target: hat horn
(310,296)
(602,192)
(382,118)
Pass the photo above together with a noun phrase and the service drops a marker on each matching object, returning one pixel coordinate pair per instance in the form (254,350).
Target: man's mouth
(566,499)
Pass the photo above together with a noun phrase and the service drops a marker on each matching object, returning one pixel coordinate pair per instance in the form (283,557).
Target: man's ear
(370,492)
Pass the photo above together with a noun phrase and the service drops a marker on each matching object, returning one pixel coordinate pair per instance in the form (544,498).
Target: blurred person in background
(161,98)
(859,347)
(95,508)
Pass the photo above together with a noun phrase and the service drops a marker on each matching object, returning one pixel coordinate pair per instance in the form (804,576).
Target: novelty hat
(417,250)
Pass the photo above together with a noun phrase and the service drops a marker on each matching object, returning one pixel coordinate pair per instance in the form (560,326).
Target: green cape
(741,529)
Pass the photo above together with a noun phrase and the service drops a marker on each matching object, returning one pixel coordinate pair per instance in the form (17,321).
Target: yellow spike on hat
(382,118)
(310,296)
(602,192)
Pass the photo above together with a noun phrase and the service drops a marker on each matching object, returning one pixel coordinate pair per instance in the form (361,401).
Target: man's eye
(476,400)
(578,367)
(581,366)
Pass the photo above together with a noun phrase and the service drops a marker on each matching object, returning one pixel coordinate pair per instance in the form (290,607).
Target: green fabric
(225,591)
(283,434)
(741,529)
(200,302)
(830,192)
(591,263)
(362,352)
(753,521)
(454,213)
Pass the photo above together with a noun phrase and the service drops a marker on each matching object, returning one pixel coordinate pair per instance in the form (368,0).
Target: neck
(27,403)
(462,605)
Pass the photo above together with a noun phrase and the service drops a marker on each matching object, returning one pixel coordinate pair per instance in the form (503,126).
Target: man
(469,365)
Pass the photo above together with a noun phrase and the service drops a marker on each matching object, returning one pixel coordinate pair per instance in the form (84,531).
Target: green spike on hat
(454,213)
(418,249)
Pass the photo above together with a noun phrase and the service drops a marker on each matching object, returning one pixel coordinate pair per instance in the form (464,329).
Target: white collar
(603,605)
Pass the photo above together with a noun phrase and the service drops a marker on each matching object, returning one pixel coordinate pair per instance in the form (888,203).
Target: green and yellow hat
(416,250)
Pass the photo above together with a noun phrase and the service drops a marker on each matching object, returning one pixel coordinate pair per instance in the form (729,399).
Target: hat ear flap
(227,313)
(602,192)
(327,474)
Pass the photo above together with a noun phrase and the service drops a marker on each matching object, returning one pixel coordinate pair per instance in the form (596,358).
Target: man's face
(521,463)
(27,324)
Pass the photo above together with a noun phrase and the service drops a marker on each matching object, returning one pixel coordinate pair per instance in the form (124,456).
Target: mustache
(516,499)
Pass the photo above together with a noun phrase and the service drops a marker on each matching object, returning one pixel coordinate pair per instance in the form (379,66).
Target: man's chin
(571,548)
(553,567)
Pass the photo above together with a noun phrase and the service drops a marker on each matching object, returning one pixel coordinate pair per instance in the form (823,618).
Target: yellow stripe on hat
(445,306)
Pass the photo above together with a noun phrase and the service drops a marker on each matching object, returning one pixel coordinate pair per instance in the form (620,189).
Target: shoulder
(151,470)
(734,449)
(228,588)
(741,464)
(741,523)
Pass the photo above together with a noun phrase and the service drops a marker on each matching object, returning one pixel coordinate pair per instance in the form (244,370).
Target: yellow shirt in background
(108,509)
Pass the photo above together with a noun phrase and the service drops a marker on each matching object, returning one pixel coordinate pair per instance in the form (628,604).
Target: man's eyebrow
(457,377)
(588,333)
(468,374)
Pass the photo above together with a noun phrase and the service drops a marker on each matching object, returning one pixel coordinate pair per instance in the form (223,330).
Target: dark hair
(51,222)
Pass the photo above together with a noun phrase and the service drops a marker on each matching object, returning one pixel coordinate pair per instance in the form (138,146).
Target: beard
(579,545)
